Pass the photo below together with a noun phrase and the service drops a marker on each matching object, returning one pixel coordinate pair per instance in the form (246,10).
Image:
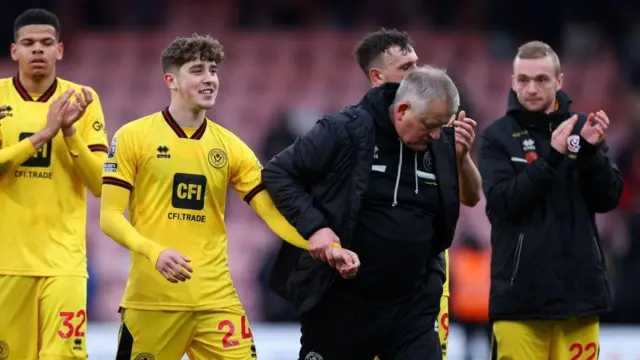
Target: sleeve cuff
(586,148)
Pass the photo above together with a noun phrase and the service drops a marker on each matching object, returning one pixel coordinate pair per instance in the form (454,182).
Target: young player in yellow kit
(172,169)
(51,150)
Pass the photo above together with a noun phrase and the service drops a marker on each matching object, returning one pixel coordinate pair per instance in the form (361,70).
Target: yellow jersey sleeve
(246,179)
(118,178)
(94,131)
(120,166)
(245,170)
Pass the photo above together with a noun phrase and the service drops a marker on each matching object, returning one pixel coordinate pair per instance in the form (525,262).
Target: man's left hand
(595,128)
(73,111)
(465,133)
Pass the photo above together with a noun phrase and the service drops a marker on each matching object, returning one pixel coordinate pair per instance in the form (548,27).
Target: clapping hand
(3,111)
(73,111)
(561,134)
(465,129)
(595,128)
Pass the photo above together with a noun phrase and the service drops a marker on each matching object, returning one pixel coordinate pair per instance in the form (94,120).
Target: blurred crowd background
(288,62)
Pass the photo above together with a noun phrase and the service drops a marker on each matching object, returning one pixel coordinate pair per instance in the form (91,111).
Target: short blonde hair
(539,50)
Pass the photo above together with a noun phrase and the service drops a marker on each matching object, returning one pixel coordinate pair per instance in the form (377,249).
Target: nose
(208,78)
(531,88)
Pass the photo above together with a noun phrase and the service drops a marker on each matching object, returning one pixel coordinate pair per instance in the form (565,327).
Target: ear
(375,77)
(60,50)
(13,51)
(401,109)
(170,80)
(513,82)
(560,80)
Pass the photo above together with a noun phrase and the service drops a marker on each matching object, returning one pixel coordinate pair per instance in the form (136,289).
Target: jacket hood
(539,120)
(377,102)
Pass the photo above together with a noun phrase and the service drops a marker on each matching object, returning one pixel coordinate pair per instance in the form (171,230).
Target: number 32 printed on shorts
(68,329)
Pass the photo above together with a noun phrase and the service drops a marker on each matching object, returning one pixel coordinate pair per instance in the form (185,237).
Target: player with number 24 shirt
(172,170)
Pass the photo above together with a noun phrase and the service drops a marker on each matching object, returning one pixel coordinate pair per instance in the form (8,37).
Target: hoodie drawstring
(395,190)
(415,172)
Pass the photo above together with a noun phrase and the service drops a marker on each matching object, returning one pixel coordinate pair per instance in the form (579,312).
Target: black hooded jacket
(322,180)
(546,258)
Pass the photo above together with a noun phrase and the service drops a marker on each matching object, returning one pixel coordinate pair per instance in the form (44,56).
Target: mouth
(37,62)
(206,92)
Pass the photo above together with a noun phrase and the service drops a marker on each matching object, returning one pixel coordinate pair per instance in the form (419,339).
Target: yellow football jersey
(178,180)
(43,201)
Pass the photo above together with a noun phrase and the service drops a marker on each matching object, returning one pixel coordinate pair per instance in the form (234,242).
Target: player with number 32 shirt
(52,148)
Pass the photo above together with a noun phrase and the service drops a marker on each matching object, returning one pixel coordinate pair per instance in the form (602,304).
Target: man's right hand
(561,134)
(56,113)
(321,245)
(174,266)
(347,262)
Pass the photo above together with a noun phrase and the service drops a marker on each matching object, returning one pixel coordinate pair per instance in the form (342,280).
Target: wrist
(69,131)
(47,133)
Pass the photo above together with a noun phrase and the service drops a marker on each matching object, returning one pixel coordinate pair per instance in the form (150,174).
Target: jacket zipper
(516,260)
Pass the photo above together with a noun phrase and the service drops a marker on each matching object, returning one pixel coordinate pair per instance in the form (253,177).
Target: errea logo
(162,152)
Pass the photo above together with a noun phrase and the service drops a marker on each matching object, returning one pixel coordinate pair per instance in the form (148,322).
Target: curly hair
(36,17)
(185,49)
(373,45)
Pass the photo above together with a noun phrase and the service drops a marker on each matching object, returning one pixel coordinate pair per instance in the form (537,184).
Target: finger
(601,125)
(602,120)
(88,96)
(452,120)
(329,257)
(168,276)
(341,256)
(80,100)
(66,96)
(604,116)
(462,115)
(179,273)
(471,122)
(464,125)
(464,133)
(3,115)
(3,108)
(183,261)
(590,119)
(184,266)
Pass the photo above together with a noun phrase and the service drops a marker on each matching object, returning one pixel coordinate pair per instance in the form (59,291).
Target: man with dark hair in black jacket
(546,172)
(371,179)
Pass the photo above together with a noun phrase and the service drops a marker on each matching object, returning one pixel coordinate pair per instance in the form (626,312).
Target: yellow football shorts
(573,339)
(52,309)
(157,335)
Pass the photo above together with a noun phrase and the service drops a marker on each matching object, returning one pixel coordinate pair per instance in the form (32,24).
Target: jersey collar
(197,135)
(24,94)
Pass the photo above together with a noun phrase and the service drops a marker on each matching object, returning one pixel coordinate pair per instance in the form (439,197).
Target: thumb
(590,119)
(453,118)
(462,115)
